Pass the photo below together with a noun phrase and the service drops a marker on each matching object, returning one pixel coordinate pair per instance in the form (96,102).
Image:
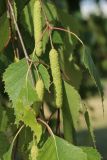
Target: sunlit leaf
(17,85)
(92,154)
(73,101)
(56,148)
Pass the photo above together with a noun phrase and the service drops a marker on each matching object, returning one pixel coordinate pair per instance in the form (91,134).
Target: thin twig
(41,62)
(15,50)
(47,126)
(18,31)
(21,40)
(51,39)
(17,133)
(51,116)
(65,30)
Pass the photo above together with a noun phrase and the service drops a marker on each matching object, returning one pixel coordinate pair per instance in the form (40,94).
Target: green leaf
(92,154)
(4,144)
(8,154)
(3,120)
(27,115)
(50,11)
(74,102)
(17,86)
(68,126)
(89,125)
(89,64)
(69,21)
(45,41)
(72,72)
(27,17)
(56,148)
(24,143)
(22,93)
(56,37)
(45,76)
(4,31)
(2,7)
(20,5)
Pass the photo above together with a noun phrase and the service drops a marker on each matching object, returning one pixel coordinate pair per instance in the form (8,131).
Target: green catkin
(34,152)
(37,16)
(40,89)
(56,74)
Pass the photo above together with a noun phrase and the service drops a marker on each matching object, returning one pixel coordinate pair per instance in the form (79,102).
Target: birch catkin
(40,89)
(56,74)
(37,16)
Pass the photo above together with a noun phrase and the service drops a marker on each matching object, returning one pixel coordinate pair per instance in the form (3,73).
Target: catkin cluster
(56,74)
(37,16)
(40,89)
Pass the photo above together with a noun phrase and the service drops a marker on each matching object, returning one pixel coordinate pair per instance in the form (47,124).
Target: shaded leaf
(27,17)
(4,144)
(89,125)
(56,38)
(74,74)
(3,120)
(51,12)
(45,41)
(2,7)
(8,154)
(69,20)
(24,140)
(89,64)
(20,5)
(4,31)
(71,71)
(45,76)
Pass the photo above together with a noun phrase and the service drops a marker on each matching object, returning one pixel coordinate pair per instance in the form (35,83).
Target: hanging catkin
(40,89)
(37,16)
(56,74)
